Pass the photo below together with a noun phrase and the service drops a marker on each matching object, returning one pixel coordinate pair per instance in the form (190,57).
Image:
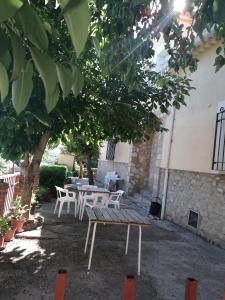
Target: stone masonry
(139,167)
(204,193)
(155,159)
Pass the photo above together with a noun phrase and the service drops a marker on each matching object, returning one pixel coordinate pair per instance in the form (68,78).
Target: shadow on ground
(29,264)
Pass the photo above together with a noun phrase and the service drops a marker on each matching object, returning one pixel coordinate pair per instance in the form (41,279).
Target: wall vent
(193,219)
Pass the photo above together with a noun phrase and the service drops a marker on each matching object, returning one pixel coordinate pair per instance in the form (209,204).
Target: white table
(127,217)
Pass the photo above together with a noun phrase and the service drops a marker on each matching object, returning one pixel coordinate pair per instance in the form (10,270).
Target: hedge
(53,175)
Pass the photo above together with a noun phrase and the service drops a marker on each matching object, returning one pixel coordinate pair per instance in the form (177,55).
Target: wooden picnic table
(127,217)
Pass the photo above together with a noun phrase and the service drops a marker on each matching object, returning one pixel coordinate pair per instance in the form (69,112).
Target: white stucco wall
(194,127)
(122,152)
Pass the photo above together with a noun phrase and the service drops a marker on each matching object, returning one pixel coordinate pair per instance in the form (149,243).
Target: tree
(84,149)
(121,90)
(124,35)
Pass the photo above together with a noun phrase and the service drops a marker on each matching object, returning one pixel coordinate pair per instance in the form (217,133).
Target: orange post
(60,285)
(224,291)
(191,289)
(129,287)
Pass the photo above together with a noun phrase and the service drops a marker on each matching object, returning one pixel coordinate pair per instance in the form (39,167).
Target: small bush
(53,175)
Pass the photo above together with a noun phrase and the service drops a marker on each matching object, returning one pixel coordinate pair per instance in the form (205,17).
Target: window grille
(110,153)
(218,163)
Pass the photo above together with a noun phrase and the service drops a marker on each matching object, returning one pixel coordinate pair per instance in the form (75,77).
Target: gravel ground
(29,264)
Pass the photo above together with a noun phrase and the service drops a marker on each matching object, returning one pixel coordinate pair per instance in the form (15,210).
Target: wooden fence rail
(12,180)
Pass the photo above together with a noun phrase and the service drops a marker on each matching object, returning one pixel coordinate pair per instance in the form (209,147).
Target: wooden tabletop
(116,216)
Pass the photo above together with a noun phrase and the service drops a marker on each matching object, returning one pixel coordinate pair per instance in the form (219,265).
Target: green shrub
(53,175)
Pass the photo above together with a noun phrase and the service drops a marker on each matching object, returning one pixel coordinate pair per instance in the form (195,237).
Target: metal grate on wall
(218,163)
(110,153)
(193,219)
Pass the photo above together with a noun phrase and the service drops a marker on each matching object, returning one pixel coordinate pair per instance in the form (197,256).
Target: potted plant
(17,214)
(4,228)
(9,235)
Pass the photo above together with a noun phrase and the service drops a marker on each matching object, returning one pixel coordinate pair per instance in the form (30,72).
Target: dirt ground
(29,264)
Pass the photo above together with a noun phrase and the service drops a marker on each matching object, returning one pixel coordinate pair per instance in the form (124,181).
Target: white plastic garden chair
(65,196)
(81,196)
(95,200)
(115,198)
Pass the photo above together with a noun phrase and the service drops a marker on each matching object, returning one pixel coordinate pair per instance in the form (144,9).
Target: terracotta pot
(2,244)
(18,224)
(10,235)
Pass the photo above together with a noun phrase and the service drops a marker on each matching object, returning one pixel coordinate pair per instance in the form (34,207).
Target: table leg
(127,242)
(92,246)
(139,251)
(87,238)
(80,204)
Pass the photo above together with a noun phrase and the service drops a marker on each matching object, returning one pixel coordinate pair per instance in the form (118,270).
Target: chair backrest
(116,196)
(61,192)
(100,199)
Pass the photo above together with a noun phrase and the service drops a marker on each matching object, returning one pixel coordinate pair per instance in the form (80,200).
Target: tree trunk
(89,171)
(30,169)
(81,173)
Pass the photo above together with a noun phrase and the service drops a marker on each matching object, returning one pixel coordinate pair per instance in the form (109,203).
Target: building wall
(139,167)
(194,127)
(122,152)
(203,193)
(120,164)
(66,159)
(191,183)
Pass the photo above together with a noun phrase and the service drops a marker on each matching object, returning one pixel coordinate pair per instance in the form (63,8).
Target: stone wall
(154,168)
(203,193)
(105,166)
(139,167)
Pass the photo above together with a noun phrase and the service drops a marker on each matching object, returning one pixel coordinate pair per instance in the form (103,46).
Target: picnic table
(113,216)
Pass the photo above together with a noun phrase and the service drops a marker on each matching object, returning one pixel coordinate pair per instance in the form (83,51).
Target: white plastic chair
(81,196)
(65,196)
(95,200)
(115,198)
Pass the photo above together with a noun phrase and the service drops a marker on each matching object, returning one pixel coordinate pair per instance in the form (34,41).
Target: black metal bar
(214,147)
(223,144)
(218,153)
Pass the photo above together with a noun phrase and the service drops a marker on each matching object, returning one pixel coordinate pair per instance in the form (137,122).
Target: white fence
(12,180)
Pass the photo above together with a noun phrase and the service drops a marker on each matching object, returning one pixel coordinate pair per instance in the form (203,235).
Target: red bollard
(224,291)
(60,285)
(129,286)
(191,289)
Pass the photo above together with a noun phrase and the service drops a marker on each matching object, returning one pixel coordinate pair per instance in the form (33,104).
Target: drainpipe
(165,184)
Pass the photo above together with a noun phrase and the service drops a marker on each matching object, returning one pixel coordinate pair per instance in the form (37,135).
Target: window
(110,153)
(193,219)
(218,163)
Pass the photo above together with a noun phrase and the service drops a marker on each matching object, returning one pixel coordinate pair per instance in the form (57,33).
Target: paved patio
(170,254)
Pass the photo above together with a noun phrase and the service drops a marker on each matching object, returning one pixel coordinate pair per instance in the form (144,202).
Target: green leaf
(78,81)
(22,88)
(70,5)
(47,27)
(51,100)
(46,67)
(19,54)
(47,70)
(65,78)
(97,45)
(8,8)
(33,27)
(4,82)
(5,58)
(4,42)
(78,19)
